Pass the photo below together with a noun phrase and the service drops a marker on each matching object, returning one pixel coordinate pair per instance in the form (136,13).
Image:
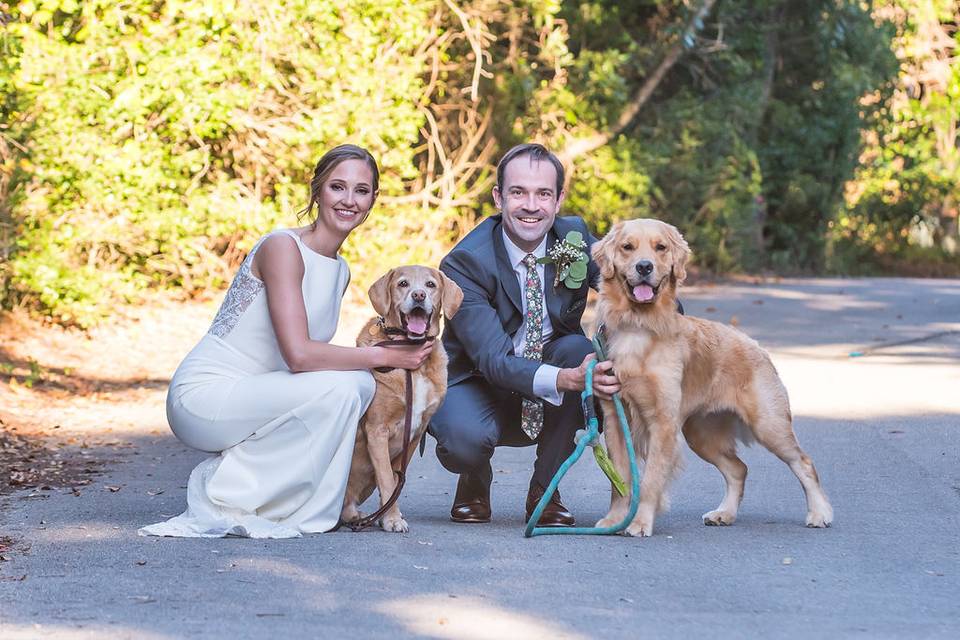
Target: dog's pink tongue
(643,292)
(417,324)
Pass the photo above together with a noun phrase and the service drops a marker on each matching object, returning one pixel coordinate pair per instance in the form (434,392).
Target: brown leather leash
(366,521)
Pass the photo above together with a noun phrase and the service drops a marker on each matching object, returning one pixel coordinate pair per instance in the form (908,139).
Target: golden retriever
(410,299)
(685,375)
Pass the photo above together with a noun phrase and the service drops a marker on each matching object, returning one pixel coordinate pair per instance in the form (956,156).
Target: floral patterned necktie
(531,411)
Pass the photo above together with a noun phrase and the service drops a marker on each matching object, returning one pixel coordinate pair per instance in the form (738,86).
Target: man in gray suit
(518,355)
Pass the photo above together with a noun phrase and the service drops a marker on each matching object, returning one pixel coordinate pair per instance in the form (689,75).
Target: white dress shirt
(545,380)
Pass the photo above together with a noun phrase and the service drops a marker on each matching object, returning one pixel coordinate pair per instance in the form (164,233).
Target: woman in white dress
(266,392)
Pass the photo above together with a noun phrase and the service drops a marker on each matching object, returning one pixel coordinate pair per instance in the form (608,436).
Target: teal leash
(592,433)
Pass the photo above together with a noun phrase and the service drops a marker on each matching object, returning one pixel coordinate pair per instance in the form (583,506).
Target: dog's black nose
(419,295)
(644,267)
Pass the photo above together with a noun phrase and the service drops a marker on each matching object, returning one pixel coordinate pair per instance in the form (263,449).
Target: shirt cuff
(545,384)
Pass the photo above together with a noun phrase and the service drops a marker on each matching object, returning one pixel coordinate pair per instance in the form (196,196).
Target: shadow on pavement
(891,480)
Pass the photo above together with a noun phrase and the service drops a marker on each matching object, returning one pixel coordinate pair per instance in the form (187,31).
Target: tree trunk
(583,146)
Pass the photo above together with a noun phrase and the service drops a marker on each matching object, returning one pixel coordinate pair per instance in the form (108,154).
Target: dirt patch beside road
(41,463)
(69,398)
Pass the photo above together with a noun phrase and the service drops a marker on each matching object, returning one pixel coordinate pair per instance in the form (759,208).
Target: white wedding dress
(283,441)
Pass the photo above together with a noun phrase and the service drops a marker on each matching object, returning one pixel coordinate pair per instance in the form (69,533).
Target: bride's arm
(279,265)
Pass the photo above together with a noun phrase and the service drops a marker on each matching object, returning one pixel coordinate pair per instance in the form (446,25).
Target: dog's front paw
(719,518)
(642,525)
(612,519)
(395,524)
(640,529)
(819,519)
(350,513)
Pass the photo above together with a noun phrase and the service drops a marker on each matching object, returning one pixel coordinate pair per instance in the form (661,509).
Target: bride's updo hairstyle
(328,163)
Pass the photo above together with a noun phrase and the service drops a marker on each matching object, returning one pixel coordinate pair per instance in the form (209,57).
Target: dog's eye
(626,246)
(661,246)
(431,284)
(403,284)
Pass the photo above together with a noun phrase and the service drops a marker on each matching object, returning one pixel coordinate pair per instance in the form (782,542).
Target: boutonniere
(570,257)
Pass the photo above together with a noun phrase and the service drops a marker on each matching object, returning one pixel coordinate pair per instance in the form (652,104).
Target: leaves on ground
(31,462)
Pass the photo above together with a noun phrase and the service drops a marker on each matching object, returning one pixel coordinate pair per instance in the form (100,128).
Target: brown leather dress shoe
(472,501)
(554,514)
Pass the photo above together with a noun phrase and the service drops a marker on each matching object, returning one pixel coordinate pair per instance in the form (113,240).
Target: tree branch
(583,146)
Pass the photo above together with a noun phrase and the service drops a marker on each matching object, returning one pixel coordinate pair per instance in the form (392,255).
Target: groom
(518,356)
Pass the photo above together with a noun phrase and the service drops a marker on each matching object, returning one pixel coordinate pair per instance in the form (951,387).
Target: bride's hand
(407,356)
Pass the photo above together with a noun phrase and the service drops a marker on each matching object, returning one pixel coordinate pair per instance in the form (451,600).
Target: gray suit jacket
(479,338)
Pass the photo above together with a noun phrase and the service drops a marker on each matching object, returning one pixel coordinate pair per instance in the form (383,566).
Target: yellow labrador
(409,299)
(681,374)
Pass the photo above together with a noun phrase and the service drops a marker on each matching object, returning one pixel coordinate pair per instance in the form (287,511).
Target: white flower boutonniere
(570,257)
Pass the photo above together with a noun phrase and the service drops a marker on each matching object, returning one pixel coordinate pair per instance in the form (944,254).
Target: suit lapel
(556,298)
(506,275)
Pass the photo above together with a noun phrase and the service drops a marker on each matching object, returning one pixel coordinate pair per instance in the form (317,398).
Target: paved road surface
(882,428)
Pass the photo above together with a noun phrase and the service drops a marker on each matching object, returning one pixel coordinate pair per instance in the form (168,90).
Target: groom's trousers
(477,417)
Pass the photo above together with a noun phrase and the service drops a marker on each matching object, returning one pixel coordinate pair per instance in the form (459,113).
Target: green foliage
(148,144)
(164,138)
(903,206)
(745,144)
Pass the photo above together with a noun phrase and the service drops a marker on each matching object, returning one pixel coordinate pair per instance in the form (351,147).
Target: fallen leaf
(710,309)
(734,321)
(140,563)
(155,492)
(113,489)
(142,599)
(13,578)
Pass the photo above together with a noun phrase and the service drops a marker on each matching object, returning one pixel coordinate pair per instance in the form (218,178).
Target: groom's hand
(605,382)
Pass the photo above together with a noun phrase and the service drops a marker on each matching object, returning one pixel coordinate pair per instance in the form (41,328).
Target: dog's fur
(395,296)
(685,375)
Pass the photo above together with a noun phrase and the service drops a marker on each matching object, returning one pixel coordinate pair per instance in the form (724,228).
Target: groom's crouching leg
(465,427)
(561,423)
(467,433)
(555,443)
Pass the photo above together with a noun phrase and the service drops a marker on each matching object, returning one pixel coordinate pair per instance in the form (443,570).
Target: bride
(265,392)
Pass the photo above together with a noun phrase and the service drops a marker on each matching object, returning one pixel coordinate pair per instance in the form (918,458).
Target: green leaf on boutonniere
(573,283)
(570,258)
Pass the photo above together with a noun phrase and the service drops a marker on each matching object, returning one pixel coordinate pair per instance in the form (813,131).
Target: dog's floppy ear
(379,293)
(452,296)
(680,251)
(602,251)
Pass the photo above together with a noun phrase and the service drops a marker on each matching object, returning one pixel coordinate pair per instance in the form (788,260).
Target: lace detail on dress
(243,290)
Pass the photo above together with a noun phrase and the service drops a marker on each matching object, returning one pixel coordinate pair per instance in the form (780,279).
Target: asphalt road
(882,428)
